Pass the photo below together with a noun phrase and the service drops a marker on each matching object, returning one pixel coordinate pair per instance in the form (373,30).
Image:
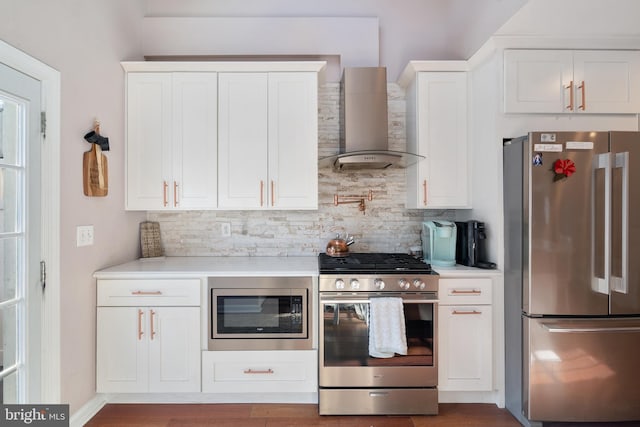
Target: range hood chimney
(364,142)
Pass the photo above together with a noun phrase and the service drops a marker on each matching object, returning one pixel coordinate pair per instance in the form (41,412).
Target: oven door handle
(367,301)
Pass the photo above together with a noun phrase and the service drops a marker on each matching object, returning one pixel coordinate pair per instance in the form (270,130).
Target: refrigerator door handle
(560,329)
(602,284)
(621,284)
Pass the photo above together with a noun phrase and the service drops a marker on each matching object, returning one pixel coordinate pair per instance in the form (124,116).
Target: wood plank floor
(279,415)
(298,415)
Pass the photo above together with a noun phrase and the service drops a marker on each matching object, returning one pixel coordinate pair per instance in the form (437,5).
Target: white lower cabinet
(465,335)
(260,371)
(143,348)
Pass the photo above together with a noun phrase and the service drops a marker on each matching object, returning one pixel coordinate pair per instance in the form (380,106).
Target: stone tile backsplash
(386,226)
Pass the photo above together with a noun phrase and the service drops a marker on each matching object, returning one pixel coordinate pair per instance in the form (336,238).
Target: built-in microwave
(259,313)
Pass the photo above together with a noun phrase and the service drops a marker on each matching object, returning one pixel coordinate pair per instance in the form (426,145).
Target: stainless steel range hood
(364,140)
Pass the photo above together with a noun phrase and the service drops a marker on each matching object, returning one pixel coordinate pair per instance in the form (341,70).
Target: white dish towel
(387,334)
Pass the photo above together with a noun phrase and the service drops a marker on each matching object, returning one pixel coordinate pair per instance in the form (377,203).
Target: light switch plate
(84,235)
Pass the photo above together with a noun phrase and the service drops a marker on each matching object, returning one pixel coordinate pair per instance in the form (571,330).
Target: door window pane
(10,117)
(9,256)
(9,389)
(8,334)
(9,190)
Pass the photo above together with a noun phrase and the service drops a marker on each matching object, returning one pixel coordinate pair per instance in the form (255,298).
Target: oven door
(344,344)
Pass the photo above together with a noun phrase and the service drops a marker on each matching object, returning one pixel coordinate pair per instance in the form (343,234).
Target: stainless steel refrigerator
(572,276)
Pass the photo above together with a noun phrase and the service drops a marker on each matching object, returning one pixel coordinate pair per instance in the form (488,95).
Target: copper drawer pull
(253,371)
(140,333)
(164,193)
(465,292)
(146,293)
(570,87)
(424,191)
(175,194)
(466,312)
(153,332)
(272,195)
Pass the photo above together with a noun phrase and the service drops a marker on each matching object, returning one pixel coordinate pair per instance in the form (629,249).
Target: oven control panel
(373,283)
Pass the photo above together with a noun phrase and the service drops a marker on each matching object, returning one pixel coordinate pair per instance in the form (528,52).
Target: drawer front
(256,371)
(465,291)
(148,292)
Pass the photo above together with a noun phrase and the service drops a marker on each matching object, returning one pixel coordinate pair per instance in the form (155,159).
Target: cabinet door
(242,140)
(121,350)
(293,141)
(174,349)
(465,343)
(441,179)
(607,81)
(195,137)
(538,81)
(148,152)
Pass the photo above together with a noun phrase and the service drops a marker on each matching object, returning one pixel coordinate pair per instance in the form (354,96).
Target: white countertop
(194,266)
(464,271)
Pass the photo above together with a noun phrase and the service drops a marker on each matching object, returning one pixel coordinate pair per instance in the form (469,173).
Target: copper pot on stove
(339,247)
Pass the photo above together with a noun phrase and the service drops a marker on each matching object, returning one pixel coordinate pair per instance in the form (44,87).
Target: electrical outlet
(225,229)
(84,235)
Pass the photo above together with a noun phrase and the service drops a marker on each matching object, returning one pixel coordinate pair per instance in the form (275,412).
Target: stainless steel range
(378,329)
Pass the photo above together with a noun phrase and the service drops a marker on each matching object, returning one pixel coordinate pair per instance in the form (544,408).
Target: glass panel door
(20,242)
(12,250)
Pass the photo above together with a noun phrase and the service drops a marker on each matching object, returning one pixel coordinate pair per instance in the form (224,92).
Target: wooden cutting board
(95,176)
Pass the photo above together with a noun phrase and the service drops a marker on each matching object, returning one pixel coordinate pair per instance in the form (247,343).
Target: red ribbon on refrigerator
(564,167)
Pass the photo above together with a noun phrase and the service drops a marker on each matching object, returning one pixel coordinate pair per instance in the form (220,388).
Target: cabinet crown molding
(223,66)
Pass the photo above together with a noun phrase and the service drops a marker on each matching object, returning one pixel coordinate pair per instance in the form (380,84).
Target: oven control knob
(339,284)
(419,284)
(355,284)
(403,284)
(379,284)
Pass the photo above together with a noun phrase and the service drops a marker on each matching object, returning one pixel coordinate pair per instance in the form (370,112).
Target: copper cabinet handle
(424,191)
(466,312)
(466,292)
(164,193)
(153,332)
(570,87)
(583,104)
(261,193)
(175,194)
(146,292)
(140,332)
(272,194)
(254,371)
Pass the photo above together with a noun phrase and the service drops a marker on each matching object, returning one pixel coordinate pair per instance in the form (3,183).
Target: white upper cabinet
(222,135)
(571,81)
(437,129)
(171,154)
(268,135)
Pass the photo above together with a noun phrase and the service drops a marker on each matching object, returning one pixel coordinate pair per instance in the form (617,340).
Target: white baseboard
(88,410)
(213,398)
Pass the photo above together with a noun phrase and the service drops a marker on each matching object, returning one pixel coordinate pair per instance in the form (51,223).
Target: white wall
(85,40)
(575,18)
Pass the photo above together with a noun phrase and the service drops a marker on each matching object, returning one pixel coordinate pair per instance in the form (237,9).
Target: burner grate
(367,263)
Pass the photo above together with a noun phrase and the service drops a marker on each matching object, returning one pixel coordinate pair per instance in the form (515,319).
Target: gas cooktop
(370,263)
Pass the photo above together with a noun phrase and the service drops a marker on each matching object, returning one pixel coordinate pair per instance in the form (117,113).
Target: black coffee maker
(471,244)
